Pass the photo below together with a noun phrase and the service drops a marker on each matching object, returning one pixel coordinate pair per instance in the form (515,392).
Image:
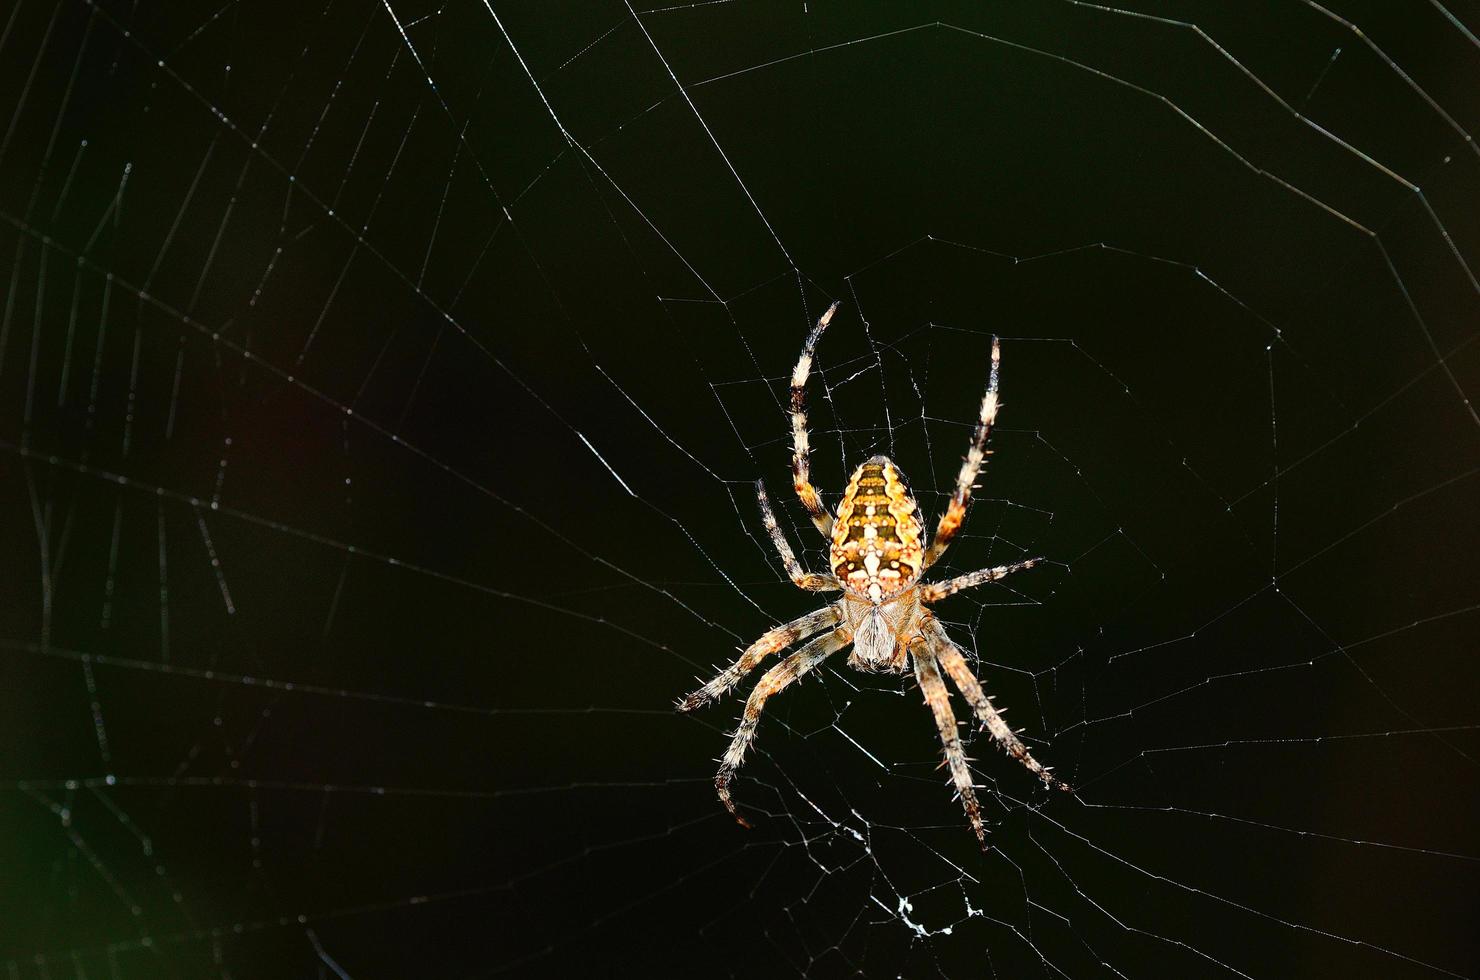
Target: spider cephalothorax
(878,554)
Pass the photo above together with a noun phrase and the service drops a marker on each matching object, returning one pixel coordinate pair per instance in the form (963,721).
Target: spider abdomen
(878,542)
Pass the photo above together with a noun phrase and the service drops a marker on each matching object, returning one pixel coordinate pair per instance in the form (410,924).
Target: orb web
(384,386)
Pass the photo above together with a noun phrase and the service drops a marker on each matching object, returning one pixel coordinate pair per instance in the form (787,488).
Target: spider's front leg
(960,673)
(770,642)
(927,670)
(775,680)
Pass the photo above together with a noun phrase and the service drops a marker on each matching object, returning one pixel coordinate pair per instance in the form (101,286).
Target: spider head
(876,632)
(873,640)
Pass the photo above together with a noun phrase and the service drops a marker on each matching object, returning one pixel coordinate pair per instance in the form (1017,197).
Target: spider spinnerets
(878,554)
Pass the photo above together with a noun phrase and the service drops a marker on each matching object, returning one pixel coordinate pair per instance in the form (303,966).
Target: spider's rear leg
(976,456)
(960,673)
(775,680)
(801,464)
(771,641)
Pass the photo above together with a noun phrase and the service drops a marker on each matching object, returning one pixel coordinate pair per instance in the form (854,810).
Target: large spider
(878,554)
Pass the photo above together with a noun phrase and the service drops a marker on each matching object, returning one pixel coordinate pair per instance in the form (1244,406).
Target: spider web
(383,389)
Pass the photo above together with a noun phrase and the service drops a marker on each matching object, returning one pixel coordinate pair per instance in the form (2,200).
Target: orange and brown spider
(878,554)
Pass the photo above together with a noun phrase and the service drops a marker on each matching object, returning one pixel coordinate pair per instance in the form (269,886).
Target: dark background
(381,391)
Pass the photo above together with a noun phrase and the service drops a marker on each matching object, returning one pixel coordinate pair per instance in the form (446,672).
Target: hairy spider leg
(976,455)
(808,581)
(775,680)
(960,673)
(801,476)
(770,642)
(937,591)
(939,700)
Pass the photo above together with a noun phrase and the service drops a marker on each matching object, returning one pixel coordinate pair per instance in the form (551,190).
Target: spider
(878,554)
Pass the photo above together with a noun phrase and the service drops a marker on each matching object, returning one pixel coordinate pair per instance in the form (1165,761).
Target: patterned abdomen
(877,542)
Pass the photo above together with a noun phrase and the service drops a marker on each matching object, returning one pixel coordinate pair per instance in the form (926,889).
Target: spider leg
(939,590)
(809,581)
(800,460)
(775,680)
(976,455)
(970,688)
(927,670)
(771,641)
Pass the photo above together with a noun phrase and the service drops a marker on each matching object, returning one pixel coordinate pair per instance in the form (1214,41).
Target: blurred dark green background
(381,393)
